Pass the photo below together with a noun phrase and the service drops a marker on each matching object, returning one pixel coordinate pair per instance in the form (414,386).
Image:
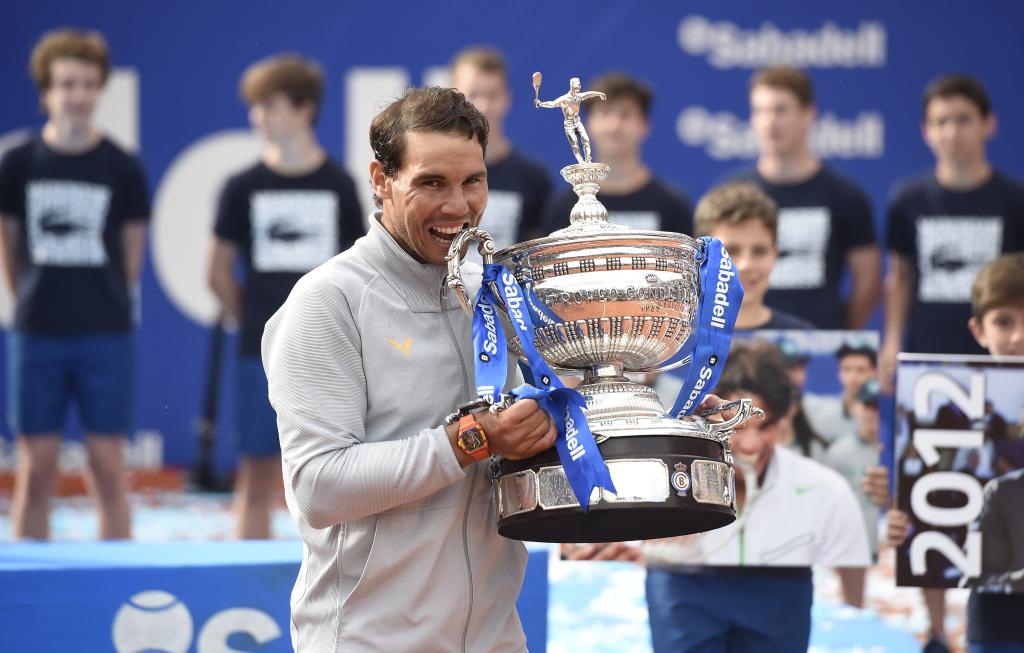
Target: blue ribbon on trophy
(718,305)
(584,466)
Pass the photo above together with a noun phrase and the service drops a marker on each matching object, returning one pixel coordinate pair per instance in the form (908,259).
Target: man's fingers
(520,410)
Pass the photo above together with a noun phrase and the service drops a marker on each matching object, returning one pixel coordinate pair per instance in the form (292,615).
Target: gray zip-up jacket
(401,550)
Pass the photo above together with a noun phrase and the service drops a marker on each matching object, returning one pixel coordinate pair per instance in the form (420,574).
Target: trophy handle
(454,278)
(745,409)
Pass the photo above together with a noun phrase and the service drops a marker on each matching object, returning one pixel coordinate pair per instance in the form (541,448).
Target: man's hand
(599,551)
(520,431)
(712,401)
(875,484)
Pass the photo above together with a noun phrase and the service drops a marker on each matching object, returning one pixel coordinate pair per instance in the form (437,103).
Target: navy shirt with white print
(821,220)
(517,189)
(72,209)
(657,206)
(284,226)
(948,236)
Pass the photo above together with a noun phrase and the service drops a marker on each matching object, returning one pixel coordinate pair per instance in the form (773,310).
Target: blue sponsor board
(175,597)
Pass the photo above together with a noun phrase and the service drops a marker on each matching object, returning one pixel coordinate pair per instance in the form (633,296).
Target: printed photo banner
(960,471)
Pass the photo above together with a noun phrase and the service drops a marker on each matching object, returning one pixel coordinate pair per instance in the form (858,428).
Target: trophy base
(668,485)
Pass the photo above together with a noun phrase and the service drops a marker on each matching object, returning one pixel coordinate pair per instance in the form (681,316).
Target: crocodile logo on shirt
(951,251)
(283,231)
(947,259)
(293,230)
(58,224)
(65,222)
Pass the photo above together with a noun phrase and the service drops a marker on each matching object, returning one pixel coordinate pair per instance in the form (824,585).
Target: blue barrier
(180,597)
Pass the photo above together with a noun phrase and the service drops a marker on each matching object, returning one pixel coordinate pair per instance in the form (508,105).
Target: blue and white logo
(153,621)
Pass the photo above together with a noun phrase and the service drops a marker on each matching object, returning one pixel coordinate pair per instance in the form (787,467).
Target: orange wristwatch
(472,438)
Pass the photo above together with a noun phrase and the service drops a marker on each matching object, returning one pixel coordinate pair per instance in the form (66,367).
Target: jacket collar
(418,284)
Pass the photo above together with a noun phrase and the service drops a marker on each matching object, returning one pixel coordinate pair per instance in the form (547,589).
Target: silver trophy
(618,300)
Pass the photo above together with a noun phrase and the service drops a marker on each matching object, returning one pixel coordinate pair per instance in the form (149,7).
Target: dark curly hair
(428,109)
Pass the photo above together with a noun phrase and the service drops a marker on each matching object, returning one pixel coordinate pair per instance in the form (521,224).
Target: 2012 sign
(970,402)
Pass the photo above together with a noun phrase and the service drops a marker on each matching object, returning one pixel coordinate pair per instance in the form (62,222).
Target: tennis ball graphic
(153,621)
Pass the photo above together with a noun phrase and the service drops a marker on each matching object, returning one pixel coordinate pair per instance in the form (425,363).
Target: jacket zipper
(473,475)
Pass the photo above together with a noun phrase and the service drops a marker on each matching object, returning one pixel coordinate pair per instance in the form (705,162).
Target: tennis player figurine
(570,106)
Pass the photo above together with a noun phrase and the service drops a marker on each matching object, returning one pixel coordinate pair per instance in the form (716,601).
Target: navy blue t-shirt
(948,236)
(72,209)
(284,226)
(780,321)
(517,188)
(655,207)
(997,617)
(820,221)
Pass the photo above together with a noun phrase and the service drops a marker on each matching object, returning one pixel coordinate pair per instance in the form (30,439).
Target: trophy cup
(605,300)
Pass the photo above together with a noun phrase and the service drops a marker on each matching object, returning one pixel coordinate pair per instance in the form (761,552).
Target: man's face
(755,443)
(441,188)
(1001,330)
(75,87)
(276,119)
(753,253)
(487,91)
(955,130)
(618,128)
(854,370)
(865,415)
(781,124)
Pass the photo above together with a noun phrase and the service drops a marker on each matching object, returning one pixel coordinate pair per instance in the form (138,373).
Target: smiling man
(401,546)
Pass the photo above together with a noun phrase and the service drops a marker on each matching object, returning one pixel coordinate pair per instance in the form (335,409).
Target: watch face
(472,439)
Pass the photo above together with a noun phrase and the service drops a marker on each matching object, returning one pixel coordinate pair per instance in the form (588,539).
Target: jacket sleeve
(311,354)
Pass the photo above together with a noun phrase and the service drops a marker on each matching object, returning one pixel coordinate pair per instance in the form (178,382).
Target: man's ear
(979,334)
(379,182)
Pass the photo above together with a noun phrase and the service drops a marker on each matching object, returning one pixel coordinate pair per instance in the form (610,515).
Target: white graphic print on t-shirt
(803,243)
(950,252)
(65,222)
(502,216)
(643,220)
(293,230)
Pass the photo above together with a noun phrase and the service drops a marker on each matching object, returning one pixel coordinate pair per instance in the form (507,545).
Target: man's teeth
(448,230)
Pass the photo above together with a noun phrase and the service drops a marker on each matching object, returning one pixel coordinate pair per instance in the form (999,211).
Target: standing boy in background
(517,186)
(945,225)
(282,217)
(74,208)
(825,220)
(633,195)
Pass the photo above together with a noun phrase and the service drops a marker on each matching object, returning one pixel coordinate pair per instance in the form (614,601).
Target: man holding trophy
(392,497)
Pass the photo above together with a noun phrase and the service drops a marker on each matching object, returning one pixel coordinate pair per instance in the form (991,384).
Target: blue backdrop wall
(175,100)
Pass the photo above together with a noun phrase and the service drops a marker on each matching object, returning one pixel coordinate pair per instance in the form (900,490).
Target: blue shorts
(729,612)
(46,373)
(255,419)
